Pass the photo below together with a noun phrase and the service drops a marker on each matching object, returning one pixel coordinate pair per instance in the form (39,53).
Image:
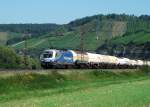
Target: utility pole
(25,35)
(124,51)
(82,43)
(97,31)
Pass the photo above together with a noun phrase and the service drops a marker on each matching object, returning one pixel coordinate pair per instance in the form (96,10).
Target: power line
(26,36)
(25,49)
(82,42)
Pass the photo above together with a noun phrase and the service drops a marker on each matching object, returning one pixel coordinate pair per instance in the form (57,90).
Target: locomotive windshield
(47,55)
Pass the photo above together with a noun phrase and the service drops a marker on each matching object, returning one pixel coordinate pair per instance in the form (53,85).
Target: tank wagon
(53,58)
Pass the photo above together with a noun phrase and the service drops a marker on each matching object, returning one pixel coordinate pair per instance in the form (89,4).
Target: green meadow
(75,88)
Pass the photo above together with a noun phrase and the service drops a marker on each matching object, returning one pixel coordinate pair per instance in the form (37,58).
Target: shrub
(10,60)
(145,69)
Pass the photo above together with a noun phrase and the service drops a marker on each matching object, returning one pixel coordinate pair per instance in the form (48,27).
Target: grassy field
(75,88)
(137,38)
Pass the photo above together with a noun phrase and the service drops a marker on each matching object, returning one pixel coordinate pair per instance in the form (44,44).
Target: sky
(64,11)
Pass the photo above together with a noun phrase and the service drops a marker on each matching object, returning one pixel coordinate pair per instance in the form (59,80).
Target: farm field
(75,88)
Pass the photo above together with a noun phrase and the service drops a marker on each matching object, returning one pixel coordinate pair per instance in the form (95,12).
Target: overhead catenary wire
(26,36)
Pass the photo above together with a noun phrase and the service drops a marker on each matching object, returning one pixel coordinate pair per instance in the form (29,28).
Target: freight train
(53,58)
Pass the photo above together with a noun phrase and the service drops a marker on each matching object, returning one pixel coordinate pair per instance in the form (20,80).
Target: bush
(145,69)
(10,60)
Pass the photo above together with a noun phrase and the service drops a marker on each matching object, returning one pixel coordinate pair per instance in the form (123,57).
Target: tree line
(34,29)
(40,29)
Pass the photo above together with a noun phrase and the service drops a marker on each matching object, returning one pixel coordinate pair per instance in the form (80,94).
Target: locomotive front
(48,58)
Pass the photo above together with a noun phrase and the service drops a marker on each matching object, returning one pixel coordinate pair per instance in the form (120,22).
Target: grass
(137,38)
(75,88)
(3,38)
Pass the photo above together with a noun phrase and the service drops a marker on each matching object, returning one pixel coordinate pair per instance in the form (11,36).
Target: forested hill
(134,23)
(35,29)
(101,33)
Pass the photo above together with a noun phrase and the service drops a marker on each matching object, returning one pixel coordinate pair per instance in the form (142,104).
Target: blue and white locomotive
(56,58)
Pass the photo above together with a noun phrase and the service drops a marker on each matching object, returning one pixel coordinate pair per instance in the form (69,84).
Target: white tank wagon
(140,63)
(98,58)
(146,63)
(133,62)
(93,58)
(123,61)
(87,60)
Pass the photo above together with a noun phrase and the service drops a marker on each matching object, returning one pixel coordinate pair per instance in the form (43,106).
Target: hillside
(7,38)
(134,45)
(3,38)
(13,33)
(137,38)
(93,37)
(98,31)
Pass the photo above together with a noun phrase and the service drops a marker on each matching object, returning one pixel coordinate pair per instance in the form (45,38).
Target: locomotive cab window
(47,55)
(57,55)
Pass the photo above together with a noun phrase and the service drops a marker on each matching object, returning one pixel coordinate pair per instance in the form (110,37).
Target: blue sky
(64,11)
